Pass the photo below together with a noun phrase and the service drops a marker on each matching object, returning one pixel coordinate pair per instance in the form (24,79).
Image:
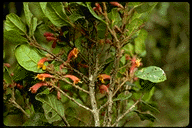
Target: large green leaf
(53,108)
(55,12)
(28,57)
(14,37)
(93,13)
(13,22)
(140,42)
(151,73)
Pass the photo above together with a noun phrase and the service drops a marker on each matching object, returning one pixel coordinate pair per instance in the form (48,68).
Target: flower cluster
(103,88)
(50,36)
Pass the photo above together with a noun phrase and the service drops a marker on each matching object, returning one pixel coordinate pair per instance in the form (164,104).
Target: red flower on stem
(43,76)
(103,89)
(50,36)
(35,87)
(40,64)
(73,78)
(116,4)
(103,77)
(72,53)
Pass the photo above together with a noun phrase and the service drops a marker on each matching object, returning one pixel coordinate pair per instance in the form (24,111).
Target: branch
(123,115)
(63,79)
(72,99)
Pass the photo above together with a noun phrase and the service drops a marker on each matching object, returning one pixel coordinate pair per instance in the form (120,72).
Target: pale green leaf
(13,22)
(28,57)
(151,73)
(53,108)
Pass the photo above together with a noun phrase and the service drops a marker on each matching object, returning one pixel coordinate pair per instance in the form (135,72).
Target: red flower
(43,76)
(40,64)
(72,53)
(98,7)
(35,87)
(7,65)
(103,89)
(116,4)
(73,78)
(46,34)
(103,77)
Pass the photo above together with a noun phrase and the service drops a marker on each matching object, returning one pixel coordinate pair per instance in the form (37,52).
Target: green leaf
(134,25)
(37,119)
(140,42)
(28,57)
(14,37)
(115,17)
(28,14)
(122,96)
(53,108)
(55,12)
(151,73)
(75,16)
(6,76)
(13,22)
(19,73)
(93,13)
(123,60)
(146,106)
(145,116)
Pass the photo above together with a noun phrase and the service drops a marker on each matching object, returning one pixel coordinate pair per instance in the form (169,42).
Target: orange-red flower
(72,53)
(43,76)
(103,89)
(116,4)
(73,78)
(40,64)
(103,77)
(35,87)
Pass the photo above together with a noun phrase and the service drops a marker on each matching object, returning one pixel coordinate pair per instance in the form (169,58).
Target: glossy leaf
(53,108)
(151,73)
(28,57)
(13,22)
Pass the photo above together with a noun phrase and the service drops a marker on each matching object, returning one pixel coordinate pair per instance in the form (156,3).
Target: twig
(12,100)
(72,99)
(123,115)
(63,79)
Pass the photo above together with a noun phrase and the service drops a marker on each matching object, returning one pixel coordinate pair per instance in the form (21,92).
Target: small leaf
(13,22)
(140,42)
(53,108)
(151,73)
(93,13)
(6,76)
(115,18)
(28,57)
(75,16)
(122,96)
(146,106)
(145,116)
(123,60)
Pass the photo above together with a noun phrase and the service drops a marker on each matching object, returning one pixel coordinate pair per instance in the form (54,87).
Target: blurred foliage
(167,47)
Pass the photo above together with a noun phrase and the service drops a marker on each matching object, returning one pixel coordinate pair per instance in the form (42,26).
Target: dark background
(167,47)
